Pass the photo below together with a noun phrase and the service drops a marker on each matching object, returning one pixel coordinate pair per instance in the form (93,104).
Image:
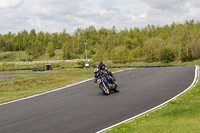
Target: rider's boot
(95,80)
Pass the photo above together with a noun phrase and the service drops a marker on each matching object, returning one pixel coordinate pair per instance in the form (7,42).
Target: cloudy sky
(56,15)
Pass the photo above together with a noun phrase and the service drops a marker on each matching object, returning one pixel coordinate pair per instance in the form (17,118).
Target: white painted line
(161,105)
(52,90)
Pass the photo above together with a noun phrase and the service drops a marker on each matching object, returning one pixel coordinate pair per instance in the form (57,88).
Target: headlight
(98,81)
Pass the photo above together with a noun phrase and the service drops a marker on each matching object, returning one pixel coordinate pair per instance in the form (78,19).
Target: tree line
(152,43)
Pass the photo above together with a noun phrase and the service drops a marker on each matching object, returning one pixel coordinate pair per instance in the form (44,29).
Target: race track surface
(82,109)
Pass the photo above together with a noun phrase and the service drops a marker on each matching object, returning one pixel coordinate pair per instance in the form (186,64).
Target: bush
(66,52)
(27,58)
(50,49)
(41,66)
(8,65)
(73,56)
(185,53)
(66,55)
(167,55)
(56,65)
(152,49)
(6,56)
(82,63)
(137,52)
(120,54)
(99,55)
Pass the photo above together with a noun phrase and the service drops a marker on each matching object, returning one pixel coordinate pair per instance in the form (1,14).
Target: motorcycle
(106,84)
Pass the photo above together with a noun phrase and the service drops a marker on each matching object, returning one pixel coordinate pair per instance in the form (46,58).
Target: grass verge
(179,116)
(174,63)
(13,67)
(30,84)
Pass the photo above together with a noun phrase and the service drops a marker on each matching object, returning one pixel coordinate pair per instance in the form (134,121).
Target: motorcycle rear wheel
(116,89)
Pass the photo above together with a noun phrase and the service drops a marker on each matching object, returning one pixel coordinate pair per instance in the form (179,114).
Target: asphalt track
(82,109)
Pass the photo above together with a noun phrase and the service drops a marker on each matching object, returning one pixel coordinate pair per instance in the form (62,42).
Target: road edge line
(196,78)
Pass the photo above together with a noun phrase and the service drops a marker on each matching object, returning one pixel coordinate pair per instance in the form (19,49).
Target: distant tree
(62,38)
(153,43)
(26,41)
(195,47)
(54,39)
(50,49)
(8,40)
(182,52)
(152,49)
(129,43)
(30,49)
(167,55)
(120,54)
(66,53)
(137,52)
(2,44)
(19,42)
(47,38)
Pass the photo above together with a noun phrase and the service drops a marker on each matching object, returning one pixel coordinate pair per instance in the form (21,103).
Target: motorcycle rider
(103,67)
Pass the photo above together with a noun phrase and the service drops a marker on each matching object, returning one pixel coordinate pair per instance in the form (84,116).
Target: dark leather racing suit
(104,68)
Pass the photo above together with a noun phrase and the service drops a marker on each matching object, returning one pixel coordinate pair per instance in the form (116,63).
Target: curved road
(82,109)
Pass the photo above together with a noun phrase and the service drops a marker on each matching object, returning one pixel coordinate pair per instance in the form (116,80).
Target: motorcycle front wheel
(104,89)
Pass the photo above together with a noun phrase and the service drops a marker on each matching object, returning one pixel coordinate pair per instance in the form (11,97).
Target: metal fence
(45,62)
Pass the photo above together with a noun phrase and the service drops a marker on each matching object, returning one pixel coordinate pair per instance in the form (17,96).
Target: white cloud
(55,15)
(142,15)
(165,12)
(58,1)
(109,4)
(10,4)
(39,10)
(163,4)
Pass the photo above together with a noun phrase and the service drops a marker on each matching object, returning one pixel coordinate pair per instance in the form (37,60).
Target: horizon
(117,31)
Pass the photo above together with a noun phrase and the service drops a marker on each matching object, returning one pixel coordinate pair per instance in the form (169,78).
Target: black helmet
(100,65)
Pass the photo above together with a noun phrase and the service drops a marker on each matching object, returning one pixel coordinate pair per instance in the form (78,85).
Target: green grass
(58,56)
(11,67)
(179,116)
(20,76)
(30,84)
(14,67)
(11,56)
(175,63)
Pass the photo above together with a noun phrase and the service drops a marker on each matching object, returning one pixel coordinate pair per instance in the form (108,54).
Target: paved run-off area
(81,108)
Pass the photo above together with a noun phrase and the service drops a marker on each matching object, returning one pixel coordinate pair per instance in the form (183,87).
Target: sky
(57,15)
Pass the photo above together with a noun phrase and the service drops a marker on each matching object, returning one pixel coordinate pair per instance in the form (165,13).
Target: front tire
(105,89)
